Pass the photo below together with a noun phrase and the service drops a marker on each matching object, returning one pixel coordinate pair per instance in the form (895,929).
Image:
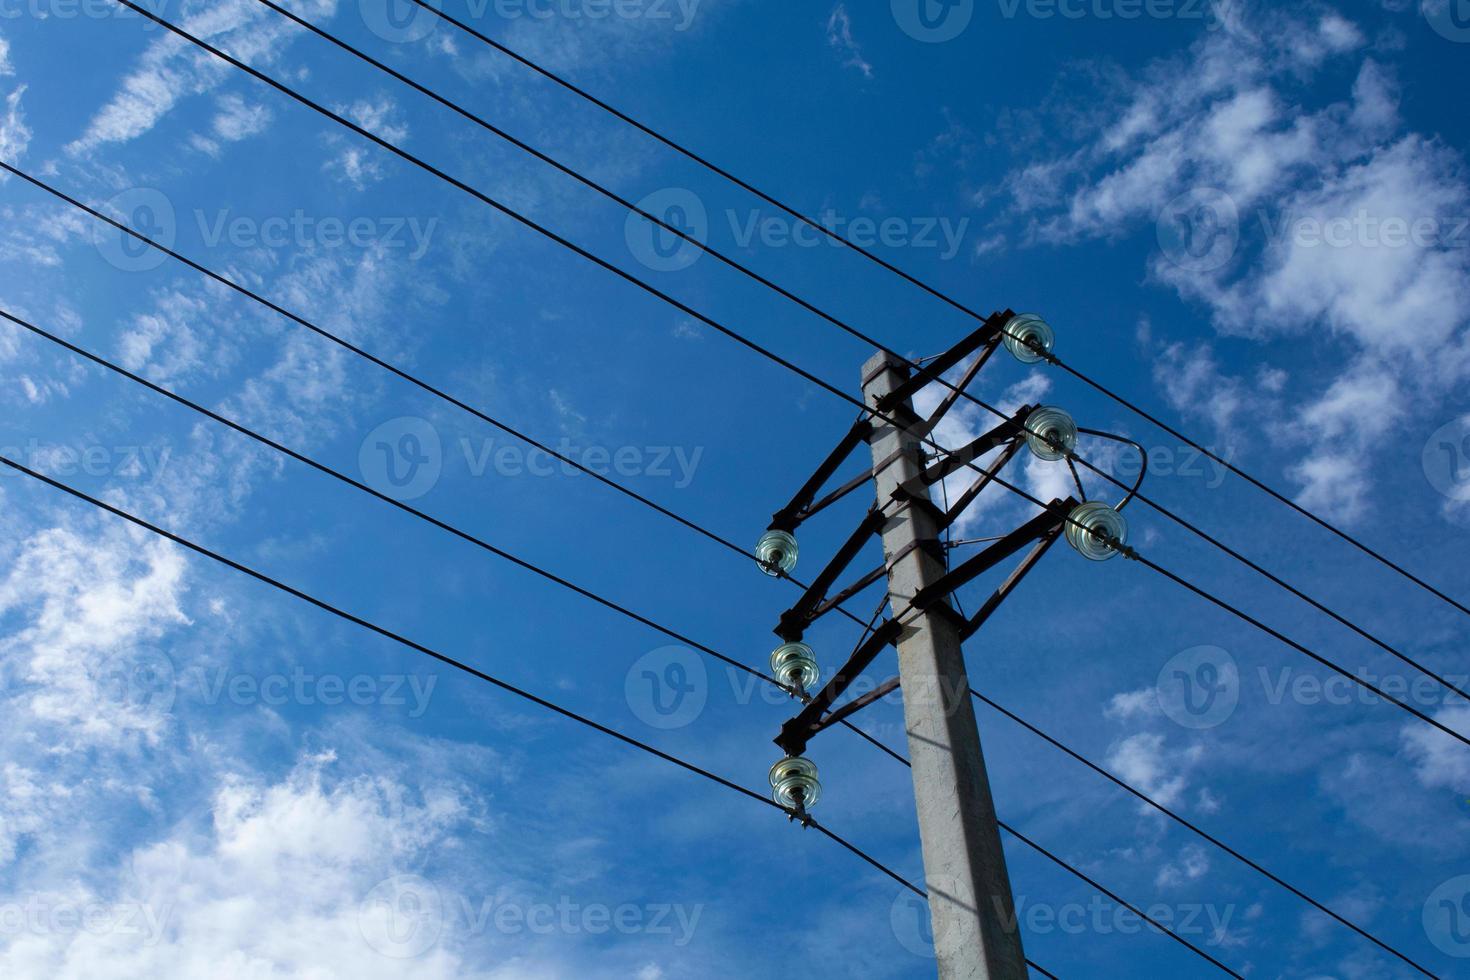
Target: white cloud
(276,886)
(93,608)
(357,162)
(1144,761)
(6,68)
(1440,762)
(840,39)
(238,120)
(1191,864)
(15,135)
(172,69)
(1347,229)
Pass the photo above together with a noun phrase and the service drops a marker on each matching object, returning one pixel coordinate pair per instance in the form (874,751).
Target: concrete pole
(970,902)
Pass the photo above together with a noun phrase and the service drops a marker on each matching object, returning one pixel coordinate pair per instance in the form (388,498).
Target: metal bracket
(789,518)
(926,375)
(1047,522)
(799,730)
(1009,430)
(795,620)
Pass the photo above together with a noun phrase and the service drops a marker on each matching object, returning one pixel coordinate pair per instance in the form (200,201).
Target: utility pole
(970,903)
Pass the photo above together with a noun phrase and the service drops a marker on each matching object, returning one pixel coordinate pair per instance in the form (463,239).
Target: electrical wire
(1072,459)
(444,659)
(463,535)
(873,257)
(737,545)
(1196,829)
(672,301)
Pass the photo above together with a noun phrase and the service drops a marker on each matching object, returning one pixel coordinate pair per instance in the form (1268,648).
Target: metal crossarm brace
(964,500)
(788,518)
(799,730)
(1047,522)
(1008,586)
(991,346)
(829,604)
(918,487)
(934,369)
(858,704)
(795,620)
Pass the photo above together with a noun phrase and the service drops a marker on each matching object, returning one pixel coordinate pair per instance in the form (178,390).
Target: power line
(679,305)
(1195,828)
(463,535)
(1121,901)
(1012,488)
(445,659)
(925,287)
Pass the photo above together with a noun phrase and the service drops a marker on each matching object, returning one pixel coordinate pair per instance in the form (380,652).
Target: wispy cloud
(841,40)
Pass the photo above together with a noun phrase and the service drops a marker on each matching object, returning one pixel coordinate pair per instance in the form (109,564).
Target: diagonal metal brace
(958,392)
(1047,522)
(788,518)
(1010,429)
(795,620)
(858,704)
(799,730)
(1009,585)
(989,330)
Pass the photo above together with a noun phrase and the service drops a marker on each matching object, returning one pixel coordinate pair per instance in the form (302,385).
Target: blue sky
(1251,218)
